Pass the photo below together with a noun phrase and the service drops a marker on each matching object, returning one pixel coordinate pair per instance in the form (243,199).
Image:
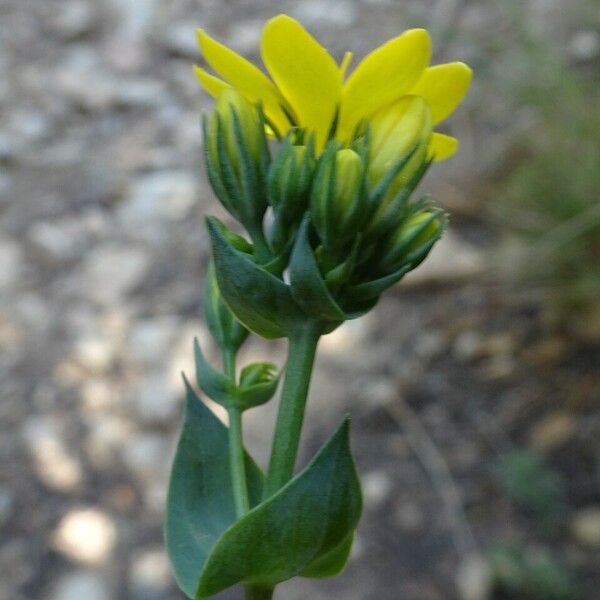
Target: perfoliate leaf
(214,384)
(200,502)
(332,563)
(261,301)
(298,529)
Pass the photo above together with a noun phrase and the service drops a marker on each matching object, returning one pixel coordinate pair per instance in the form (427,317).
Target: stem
(258,593)
(237,465)
(301,354)
(261,247)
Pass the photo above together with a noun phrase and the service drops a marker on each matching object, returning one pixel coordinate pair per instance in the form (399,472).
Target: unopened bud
(412,240)
(338,197)
(236,156)
(289,180)
(394,132)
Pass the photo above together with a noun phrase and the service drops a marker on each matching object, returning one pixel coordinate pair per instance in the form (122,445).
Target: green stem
(237,465)
(301,354)
(258,593)
(261,247)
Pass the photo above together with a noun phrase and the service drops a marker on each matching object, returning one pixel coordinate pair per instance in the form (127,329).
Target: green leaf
(332,563)
(288,533)
(200,501)
(214,384)
(306,283)
(261,301)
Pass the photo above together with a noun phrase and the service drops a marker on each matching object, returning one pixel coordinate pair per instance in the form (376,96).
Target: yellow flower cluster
(393,89)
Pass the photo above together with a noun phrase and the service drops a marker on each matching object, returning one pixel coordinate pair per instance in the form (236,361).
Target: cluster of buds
(364,231)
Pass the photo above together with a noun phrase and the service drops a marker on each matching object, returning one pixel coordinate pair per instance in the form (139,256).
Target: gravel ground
(102,254)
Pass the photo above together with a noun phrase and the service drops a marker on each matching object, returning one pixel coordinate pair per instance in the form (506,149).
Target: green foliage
(200,502)
(306,528)
(531,575)
(533,486)
(303,528)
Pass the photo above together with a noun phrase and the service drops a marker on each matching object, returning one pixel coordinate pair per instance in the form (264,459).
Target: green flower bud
(412,240)
(227,331)
(289,181)
(237,156)
(338,198)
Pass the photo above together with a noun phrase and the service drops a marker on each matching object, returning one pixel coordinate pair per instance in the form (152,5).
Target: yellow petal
(305,72)
(442,146)
(213,85)
(443,87)
(383,76)
(246,78)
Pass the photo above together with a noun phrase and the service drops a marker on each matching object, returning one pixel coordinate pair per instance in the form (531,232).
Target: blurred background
(474,386)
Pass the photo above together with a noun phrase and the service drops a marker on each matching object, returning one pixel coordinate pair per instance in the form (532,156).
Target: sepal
(259,300)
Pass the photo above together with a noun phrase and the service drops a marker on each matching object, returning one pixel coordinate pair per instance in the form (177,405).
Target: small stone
(112,270)
(585,45)
(474,579)
(11,265)
(244,36)
(152,339)
(553,431)
(96,354)
(180,39)
(140,93)
(81,585)
(85,535)
(156,402)
(467,345)
(410,517)
(73,20)
(149,575)
(337,13)
(585,526)
(55,466)
(376,487)
(147,455)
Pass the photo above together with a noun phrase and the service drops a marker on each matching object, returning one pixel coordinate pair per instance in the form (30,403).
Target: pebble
(147,455)
(156,402)
(85,535)
(81,585)
(376,487)
(158,197)
(73,20)
(474,579)
(149,574)
(585,526)
(111,271)
(53,462)
(553,431)
(336,13)
(151,339)
(11,265)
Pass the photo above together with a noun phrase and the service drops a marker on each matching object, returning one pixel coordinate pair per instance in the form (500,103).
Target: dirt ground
(102,256)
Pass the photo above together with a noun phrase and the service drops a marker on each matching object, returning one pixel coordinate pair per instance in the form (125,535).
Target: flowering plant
(319,169)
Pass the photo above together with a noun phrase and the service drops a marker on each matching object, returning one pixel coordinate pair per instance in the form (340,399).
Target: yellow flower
(308,89)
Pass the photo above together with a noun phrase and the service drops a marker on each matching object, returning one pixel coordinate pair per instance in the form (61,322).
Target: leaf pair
(305,529)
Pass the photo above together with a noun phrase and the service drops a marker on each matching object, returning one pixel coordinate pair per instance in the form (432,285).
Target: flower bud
(227,331)
(289,181)
(338,197)
(412,240)
(236,155)
(393,132)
